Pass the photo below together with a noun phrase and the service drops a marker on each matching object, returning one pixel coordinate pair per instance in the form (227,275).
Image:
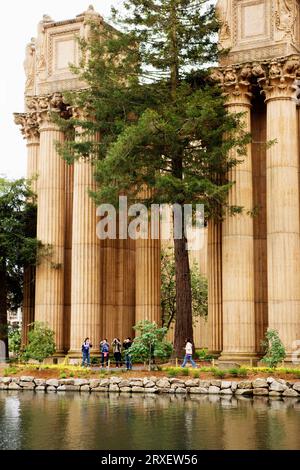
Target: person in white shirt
(188,354)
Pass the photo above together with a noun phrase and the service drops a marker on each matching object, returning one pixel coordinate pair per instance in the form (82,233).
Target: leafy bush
(41,343)
(63,375)
(196,374)
(14,340)
(274,349)
(185,371)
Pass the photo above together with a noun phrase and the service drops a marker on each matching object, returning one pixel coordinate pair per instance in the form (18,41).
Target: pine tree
(163,124)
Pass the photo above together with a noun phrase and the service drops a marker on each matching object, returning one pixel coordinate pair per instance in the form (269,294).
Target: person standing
(126,345)
(188,353)
(117,348)
(104,349)
(85,348)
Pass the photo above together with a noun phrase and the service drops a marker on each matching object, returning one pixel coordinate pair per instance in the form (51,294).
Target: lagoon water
(86,421)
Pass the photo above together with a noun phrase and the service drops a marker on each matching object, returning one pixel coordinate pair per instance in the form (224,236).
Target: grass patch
(220,374)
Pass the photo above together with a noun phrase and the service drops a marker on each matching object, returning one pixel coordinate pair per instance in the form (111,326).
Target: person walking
(126,345)
(85,348)
(188,353)
(117,348)
(104,349)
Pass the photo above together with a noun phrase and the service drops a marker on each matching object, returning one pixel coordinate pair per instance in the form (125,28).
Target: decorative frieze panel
(258,29)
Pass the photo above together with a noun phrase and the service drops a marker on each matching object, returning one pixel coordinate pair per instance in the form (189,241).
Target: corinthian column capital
(236,84)
(280,78)
(45,107)
(29,125)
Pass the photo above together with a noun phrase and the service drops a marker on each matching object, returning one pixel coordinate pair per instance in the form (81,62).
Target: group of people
(117,346)
(105,348)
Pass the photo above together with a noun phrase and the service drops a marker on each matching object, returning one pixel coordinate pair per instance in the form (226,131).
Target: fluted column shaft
(33,148)
(147,265)
(237,249)
(214,258)
(68,253)
(283,210)
(49,304)
(86,297)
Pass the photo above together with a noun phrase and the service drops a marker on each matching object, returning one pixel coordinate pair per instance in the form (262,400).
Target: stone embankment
(258,387)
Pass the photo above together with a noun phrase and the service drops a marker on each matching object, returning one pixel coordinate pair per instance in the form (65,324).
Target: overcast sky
(18,26)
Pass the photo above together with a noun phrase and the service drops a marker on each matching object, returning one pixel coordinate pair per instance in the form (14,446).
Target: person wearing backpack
(85,348)
(104,349)
(126,345)
(188,354)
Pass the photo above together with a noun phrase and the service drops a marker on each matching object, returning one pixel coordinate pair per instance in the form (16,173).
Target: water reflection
(31,420)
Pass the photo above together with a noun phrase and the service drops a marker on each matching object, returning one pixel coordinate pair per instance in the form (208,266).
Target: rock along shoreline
(258,387)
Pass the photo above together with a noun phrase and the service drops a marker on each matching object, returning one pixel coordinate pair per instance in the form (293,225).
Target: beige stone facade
(99,288)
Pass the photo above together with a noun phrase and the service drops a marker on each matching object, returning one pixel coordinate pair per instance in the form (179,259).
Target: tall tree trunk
(3,309)
(183,323)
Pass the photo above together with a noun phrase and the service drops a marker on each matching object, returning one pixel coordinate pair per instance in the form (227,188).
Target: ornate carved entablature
(56,47)
(29,124)
(276,78)
(258,29)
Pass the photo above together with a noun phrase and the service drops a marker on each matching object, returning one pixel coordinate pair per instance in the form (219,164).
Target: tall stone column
(237,238)
(86,297)
(214,258)
(283,201)
(69,173)
(30,131)
(49,302)
(147,264)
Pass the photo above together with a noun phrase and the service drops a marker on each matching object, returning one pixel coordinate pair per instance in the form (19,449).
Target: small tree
(41,343)
(274,348)
(150,342)
(15,340)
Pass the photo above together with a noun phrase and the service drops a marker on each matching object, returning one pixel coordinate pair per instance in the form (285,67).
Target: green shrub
(10,371)
(274,349)
(185,371)
(173,372)
(41,343)
(62,375)
(196,374)
(219,373)
(242,372)
(234,372)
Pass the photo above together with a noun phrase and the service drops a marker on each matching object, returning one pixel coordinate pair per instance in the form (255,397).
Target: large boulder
(192,383)
(213,390)
(198,390)
(260,391)
(260,383)
(137,389)
(26,378)
(245,384)
(290,392)
(276,386)
(163,383)
(52,382)
(296,386)
(225,384)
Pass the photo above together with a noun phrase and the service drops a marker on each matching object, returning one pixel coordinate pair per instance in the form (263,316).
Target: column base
(233,359)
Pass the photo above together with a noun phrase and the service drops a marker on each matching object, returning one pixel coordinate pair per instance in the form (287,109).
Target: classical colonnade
(83,286)
(254,271)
